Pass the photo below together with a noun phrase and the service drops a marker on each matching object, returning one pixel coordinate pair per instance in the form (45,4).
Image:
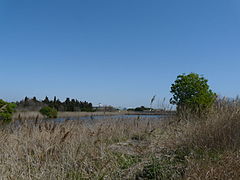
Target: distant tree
(26,99)
(142,108)
(34,99)
(67,105)
(55,99)
(67,101)
(46,100)
(192,92)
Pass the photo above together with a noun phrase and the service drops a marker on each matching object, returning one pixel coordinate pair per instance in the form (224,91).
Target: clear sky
(118,52)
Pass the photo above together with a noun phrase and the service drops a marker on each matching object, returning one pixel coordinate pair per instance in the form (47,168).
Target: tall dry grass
(190,148)
(72,150)
(212,144)
(219,130)
(28,115)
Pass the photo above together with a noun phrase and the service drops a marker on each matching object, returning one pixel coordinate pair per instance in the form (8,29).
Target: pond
(96,118)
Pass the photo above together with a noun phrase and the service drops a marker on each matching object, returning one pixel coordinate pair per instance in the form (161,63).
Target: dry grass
(207,148)
(72,150)
(29,115)
(225,166)
(211,145)
(218,131)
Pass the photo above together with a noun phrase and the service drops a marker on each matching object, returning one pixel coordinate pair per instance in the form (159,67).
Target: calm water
(121,117)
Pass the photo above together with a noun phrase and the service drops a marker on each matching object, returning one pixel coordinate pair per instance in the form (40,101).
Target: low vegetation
(125,149)
(49,112)
(6,111)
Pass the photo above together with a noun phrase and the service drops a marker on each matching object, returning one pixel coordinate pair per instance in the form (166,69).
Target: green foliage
(170,165)
(192,92)
(49,112)
(6,110)
(125,161)
(208,154)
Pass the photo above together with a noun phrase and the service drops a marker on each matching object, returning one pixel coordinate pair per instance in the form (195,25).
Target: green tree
(6,110)
(49,112)
(191,92)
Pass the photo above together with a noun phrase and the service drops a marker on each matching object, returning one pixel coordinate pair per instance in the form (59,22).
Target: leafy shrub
(191,92)
(49,112)
(6,110)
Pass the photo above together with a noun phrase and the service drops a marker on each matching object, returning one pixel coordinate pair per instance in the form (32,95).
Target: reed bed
(134,148)
(28,115)
(210,146)
(73,149)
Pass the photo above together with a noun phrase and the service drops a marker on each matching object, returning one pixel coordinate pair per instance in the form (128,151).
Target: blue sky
(118,52)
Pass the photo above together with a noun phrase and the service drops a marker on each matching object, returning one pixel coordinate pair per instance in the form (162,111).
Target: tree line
(67,105)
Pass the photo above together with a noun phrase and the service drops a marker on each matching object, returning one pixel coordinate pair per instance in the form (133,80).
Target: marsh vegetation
(192,148)
(201,141)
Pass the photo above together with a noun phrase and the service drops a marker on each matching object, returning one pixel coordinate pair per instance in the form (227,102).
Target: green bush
(191,92)
(6,111)
(49,112)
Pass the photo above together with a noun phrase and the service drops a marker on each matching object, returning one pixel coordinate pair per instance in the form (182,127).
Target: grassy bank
(192,148)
